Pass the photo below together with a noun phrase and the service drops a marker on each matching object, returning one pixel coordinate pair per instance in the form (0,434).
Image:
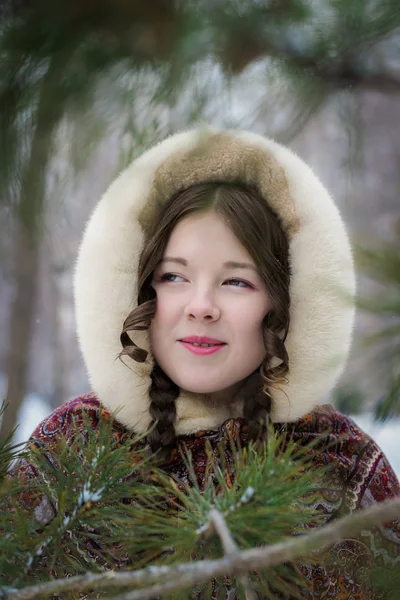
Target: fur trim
(323,275)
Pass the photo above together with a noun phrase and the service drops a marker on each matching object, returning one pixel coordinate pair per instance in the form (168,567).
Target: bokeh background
(87,85)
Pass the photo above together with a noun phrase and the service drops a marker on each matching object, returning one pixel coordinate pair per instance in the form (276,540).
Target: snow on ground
(33,410)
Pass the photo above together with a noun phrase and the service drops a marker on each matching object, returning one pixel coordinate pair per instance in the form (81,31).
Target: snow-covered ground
(31,413)
(386,435)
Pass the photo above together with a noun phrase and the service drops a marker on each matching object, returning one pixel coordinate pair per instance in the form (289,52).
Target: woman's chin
(212,393)
(196,389)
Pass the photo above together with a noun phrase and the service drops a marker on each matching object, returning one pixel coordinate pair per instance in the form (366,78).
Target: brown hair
(259,230)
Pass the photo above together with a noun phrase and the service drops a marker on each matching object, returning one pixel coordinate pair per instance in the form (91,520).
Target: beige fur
(323,275)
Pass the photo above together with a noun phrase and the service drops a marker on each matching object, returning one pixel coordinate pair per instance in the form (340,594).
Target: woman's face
(201,293)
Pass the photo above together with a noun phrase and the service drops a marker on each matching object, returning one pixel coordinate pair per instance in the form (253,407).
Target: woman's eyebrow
(230,264)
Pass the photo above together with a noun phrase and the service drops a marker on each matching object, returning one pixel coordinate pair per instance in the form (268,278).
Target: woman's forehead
(206,235)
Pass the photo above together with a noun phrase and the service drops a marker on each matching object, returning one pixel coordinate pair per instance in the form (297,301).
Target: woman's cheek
(167,305)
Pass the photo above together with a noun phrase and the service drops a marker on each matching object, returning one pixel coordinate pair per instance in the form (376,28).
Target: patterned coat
(360,476)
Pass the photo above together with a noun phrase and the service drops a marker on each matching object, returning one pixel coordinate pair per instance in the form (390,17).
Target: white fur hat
(322,285)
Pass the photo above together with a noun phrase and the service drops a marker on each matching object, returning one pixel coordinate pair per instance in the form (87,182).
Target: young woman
(218,269)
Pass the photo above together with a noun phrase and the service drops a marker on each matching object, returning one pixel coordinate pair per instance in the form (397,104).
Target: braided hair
(163,393)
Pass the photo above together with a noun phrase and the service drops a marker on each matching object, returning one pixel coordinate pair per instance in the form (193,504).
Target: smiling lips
(202,349)
(201,344)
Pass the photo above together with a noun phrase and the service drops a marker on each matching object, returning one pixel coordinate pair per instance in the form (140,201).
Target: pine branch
(344,75)
(166,579)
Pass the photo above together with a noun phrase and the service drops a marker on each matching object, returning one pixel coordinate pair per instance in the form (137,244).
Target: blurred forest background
(87,85)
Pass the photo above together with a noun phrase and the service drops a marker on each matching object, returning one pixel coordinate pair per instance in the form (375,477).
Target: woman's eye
(169,277)
(238,283)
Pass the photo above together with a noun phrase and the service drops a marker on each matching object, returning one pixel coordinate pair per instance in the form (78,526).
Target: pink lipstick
(203,350)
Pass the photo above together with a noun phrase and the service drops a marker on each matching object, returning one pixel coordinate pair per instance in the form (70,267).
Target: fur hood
(322,285)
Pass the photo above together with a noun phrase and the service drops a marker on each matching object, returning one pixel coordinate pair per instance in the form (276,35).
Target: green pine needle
(88,480)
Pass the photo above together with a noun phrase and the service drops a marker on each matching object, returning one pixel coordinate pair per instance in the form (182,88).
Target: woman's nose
(202,307)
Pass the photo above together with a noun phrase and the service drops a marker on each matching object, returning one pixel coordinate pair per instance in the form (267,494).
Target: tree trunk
(21,321)
(27,246)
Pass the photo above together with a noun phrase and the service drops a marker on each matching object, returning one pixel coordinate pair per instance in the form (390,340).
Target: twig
(230,548)
(219,524)
(187,574)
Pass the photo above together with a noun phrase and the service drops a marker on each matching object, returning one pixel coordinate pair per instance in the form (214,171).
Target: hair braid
(257,397)
(163,393)
(256,407)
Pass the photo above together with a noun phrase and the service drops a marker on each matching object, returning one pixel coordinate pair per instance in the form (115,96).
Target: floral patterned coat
(360,476)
